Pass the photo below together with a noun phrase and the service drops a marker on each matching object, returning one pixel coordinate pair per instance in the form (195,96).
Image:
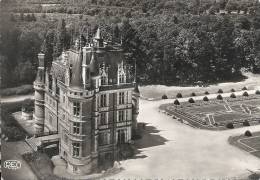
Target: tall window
(103,100)
(57,88)
(103,80)
(121,78)
(50,82)
(103,118)
(65,136)
(121,115)
(76,108)
(75,149)
(50,119)
(121,98)
(76,128)
(121,136)
(103,138)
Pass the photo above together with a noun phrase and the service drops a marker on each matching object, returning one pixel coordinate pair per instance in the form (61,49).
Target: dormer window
(121,78)
(103,80)
(121,74)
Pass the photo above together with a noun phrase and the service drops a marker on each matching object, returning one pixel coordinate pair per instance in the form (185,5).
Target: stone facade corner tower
(39,85)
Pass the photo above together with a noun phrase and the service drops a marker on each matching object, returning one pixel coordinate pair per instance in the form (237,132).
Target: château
(89,98)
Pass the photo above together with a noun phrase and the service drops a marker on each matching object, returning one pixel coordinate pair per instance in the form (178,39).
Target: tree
(60,39)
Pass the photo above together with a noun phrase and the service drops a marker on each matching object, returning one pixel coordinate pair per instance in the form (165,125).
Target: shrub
(232,90)
(245,94)
(233,95)
(257,92)
(176,102)
(246,123)
(193,94)
(220,91)
(230,125)
(206,92)
(205,98)
(244,88)
(179,95)
(191,100)
(248,133)
(164,96)
(27,105)
(219,97)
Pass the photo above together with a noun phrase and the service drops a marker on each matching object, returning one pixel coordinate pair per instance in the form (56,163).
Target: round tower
(39,96)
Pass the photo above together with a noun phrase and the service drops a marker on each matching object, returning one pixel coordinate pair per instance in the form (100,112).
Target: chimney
(41,60)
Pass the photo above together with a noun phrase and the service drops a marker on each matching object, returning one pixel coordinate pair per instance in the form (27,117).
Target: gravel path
(186,152)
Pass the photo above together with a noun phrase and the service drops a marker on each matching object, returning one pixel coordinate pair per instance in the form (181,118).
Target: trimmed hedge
(219,97)
(248,133)
(176,102)
(191,100)
(164,96)
(230,125)
(233,95)
(205,98)
(179,95)
(220,91)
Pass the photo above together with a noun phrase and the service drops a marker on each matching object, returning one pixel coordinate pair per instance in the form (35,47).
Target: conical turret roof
(94,70)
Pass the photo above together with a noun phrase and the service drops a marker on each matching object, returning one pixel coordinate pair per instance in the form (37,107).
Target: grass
(250,142)
(10,127)
(41,165)
(20,90)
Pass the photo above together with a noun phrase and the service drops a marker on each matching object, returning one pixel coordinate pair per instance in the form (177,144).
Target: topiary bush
(220,91)
(179,95)
(219,97)
(233,95)
(176,102)
(246,123)
(164,96)
(257,92)
(230,125)
(205,98)
(244,88)
(232,90)
(191,100)
(248,133)
(206,92)
(193,94)
(245,94)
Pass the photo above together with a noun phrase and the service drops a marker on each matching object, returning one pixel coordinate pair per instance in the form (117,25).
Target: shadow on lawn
(149,138)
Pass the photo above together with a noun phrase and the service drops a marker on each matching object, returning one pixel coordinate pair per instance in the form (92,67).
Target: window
(76,108)
(50,82)
(103,80)
(103,119)
(57,88)
(103,101)
(50,119)
(121,136)
(121,98)
(76,128)
(63,98)
(103,138)
(121,115)
(121,78)
(65,138)
(75,149)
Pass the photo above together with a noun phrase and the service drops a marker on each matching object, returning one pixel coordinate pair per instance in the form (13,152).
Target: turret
(39,96)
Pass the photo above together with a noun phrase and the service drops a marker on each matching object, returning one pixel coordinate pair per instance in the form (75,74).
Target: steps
(33,142)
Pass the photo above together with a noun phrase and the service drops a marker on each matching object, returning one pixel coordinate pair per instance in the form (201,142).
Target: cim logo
(12,164)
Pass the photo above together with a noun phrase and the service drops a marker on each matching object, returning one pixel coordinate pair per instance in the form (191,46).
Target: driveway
(13,151)
(186,152)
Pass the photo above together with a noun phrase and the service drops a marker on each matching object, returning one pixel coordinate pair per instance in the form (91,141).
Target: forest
(172,42)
